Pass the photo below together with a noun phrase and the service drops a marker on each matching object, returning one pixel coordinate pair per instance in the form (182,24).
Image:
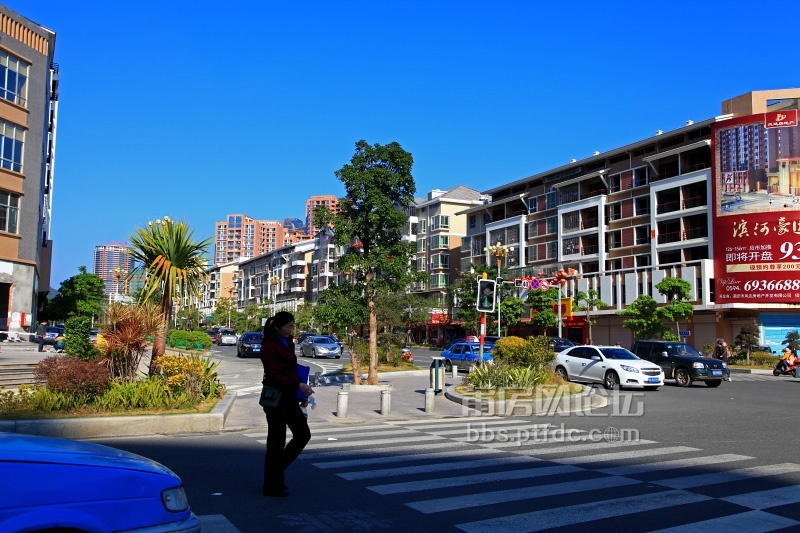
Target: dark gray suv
(682,363)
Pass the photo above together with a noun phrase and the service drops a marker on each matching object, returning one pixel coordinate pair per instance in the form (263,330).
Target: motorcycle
(787,370)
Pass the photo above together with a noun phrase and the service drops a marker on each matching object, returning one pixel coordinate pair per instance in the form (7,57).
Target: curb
(125,426)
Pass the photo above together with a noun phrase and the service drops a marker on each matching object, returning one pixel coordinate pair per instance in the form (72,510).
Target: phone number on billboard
(772,285)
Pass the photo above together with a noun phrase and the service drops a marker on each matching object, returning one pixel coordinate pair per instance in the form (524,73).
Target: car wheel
(651,388)
(448,366)
(611,381)
(682,378)
(713,382)
(314,353)
(562,373)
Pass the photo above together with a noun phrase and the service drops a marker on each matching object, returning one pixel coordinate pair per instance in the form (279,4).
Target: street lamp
(274,281)
(561,279)
(117,273)
(499,251)
(230,305)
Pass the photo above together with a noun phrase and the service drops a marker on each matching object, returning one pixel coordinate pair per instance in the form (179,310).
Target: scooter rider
(786,359)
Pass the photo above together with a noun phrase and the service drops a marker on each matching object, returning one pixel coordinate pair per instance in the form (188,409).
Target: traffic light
(486,291)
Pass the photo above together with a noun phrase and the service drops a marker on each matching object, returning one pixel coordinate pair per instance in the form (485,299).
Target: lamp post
(561,279)
(230,305)
(500,251)
(274,281)
(117,272)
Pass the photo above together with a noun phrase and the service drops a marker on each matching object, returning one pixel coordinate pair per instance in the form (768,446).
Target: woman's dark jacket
(280,364)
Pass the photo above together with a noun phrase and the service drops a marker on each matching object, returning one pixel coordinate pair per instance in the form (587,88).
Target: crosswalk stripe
(676,463)
(767,498)
(325,430)
(372,442)
(473,479)
(358,435)
(416,456)
(454,420)
(632,454)
(598,445)
(524,493)
(437,467)
(406,447)
(524,432)
(725,477)
(587,512)
(749,522)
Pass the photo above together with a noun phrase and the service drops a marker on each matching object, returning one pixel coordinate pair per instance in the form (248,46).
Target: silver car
(320,346)
(226,337)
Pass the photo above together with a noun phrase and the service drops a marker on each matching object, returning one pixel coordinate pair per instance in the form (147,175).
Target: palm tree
(173,264)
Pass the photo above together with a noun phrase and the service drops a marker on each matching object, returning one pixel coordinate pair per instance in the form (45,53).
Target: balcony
(298,262)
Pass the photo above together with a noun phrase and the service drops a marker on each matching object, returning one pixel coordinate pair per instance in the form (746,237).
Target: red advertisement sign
(756,209)
(781,119)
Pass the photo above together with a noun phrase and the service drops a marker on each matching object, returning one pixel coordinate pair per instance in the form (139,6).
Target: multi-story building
(220,283)
(28,123)
(243,237)
(329,201)
(436,228)
(628,218)
(113,263)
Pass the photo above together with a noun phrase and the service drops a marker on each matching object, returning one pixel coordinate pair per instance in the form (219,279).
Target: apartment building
(243,237)
(436,228)
(676,204)
(113,263)
(28,124)
(329,201)
(220,283)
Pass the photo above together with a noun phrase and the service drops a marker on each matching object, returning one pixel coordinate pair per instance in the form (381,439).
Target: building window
(422,226)
(532,203)
(421,264)
(533,229)
(552,225)
(440,242)
(440,281)
(571,221)
(614,239)
(643,235)
(440,261)
(613,211)
(531,253)
(9,212)
(421,245)
(571,246)
(614,183)
(642,205)
(473,221)
(13,78)
(440,222)
(465,244)
(12,138)
(552,250)
(486,218)
(640,177)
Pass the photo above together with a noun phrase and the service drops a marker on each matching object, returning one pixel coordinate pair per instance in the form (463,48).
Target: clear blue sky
(197,109)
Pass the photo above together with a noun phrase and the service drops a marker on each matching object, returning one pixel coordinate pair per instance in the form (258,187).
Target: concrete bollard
(455,372)
(341,404)
(430,398)
(386,402)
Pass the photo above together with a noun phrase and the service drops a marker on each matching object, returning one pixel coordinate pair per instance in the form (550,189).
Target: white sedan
(612,366)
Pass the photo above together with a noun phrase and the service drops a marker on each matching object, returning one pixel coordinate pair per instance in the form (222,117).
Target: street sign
(685,333)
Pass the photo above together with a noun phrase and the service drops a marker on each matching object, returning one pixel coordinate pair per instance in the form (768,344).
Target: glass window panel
(18,156)
(3,218)
(12,219)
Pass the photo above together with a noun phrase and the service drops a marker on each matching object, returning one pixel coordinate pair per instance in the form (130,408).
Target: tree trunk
(160,342)
(372,377)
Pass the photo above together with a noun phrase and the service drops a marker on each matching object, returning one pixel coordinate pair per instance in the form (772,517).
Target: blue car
(465,355)
(64,485)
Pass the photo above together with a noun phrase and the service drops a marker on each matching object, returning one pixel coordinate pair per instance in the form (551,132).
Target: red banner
(756,215)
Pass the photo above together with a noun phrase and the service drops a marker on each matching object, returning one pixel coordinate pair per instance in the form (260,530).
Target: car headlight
(631,369)
(175,499)
(698,365)
(724,364)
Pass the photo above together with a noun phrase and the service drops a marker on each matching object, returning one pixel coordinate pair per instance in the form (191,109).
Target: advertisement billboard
(756,213)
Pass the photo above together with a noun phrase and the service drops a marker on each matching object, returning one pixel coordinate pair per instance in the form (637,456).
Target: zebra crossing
(565,478)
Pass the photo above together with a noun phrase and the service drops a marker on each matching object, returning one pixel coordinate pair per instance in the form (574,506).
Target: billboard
(756,208)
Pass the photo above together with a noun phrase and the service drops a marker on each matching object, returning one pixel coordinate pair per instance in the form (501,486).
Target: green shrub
(532,352)
(77,330)
(391,339)
(188,339)
(389,354)
(756,358)
(72,376)
(500,375)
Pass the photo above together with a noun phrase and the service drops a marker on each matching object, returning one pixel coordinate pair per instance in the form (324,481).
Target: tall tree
(588,302)
(81,295)
(677,292)
(379,188)
(747,339)
(339,307)
(643,318)
(542,302)
(173,262)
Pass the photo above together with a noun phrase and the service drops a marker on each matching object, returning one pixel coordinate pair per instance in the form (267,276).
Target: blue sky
(197,109)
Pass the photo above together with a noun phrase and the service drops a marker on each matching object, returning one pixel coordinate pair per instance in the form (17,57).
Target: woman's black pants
(281,454)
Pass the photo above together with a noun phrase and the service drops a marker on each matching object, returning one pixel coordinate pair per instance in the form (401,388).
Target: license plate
(653,380)
(716,372)
(256,349)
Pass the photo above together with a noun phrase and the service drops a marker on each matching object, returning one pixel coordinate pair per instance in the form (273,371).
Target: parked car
(560,344)
(88,487)
(214,336)
(682,363)
(613,366)
(320,346)
(226,337)
(448,344)
(249,344)
(465,355)
(303,336)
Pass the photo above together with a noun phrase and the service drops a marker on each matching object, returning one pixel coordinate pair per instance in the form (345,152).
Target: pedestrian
(41,332)
(280,372)
(722,353)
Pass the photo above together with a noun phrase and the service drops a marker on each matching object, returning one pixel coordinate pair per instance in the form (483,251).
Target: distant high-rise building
(241,236)
(292,224)
(315,201)
(28,124)
(113,263)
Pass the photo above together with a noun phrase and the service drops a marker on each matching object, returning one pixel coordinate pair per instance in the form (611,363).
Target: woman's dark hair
(274,323)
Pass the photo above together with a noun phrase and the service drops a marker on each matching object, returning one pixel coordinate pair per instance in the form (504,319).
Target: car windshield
(617,353)
(252,337)
(680,349)
(227,332)
(323,340)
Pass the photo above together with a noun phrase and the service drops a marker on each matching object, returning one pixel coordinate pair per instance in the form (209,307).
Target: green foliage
(747,339)
(542,302)
(77,330)
(678,307)
(304,316)
(225,309)
(391,339)
(707,349)
(379,188)
(500,375)
(517,352)
(465,294)
(72,376)
(125,337)
(755,358)
(511,309)
(188,339)
(792,340)
(80,295)
(587,302)
(643,318)
(194,375)
(339,307)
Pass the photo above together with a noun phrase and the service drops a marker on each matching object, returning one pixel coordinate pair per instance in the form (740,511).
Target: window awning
(675,151)
(596,173)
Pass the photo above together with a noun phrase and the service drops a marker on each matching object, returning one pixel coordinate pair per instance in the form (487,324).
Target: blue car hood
(18,448)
